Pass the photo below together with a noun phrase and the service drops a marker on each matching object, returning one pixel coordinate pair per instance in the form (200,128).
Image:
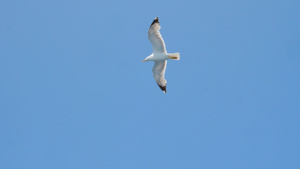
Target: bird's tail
(174,56)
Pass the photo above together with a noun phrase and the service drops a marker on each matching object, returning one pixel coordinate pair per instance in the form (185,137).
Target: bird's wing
(155,38)
(158,71)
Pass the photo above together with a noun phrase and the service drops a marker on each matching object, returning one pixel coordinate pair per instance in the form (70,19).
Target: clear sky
(74,92)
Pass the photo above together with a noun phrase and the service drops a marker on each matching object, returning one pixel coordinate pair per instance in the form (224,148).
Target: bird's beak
(144,60)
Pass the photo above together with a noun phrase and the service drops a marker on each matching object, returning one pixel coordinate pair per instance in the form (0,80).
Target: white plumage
(159,55)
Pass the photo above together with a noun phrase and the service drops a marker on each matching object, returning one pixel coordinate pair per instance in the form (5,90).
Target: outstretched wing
(155,37)
(158,71)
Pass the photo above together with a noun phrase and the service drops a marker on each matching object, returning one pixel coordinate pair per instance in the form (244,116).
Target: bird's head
(147,59)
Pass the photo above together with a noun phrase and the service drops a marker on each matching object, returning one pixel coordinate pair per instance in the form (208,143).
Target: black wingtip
(163,88)
(155,21)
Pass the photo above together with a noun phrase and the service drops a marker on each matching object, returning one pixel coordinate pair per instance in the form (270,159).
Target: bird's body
(159,55)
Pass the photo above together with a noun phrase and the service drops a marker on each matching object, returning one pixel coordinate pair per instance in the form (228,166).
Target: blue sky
(74,92)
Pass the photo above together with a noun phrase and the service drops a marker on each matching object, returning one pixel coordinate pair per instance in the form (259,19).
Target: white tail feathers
(174,56)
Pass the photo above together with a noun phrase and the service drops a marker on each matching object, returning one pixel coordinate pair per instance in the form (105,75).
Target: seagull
(159,55)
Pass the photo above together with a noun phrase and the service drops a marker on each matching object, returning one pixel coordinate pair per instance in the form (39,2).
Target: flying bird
(159,55)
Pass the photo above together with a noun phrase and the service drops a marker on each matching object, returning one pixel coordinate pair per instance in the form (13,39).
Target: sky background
(74,92)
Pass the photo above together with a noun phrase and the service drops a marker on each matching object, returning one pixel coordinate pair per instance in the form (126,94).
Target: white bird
(159,55)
